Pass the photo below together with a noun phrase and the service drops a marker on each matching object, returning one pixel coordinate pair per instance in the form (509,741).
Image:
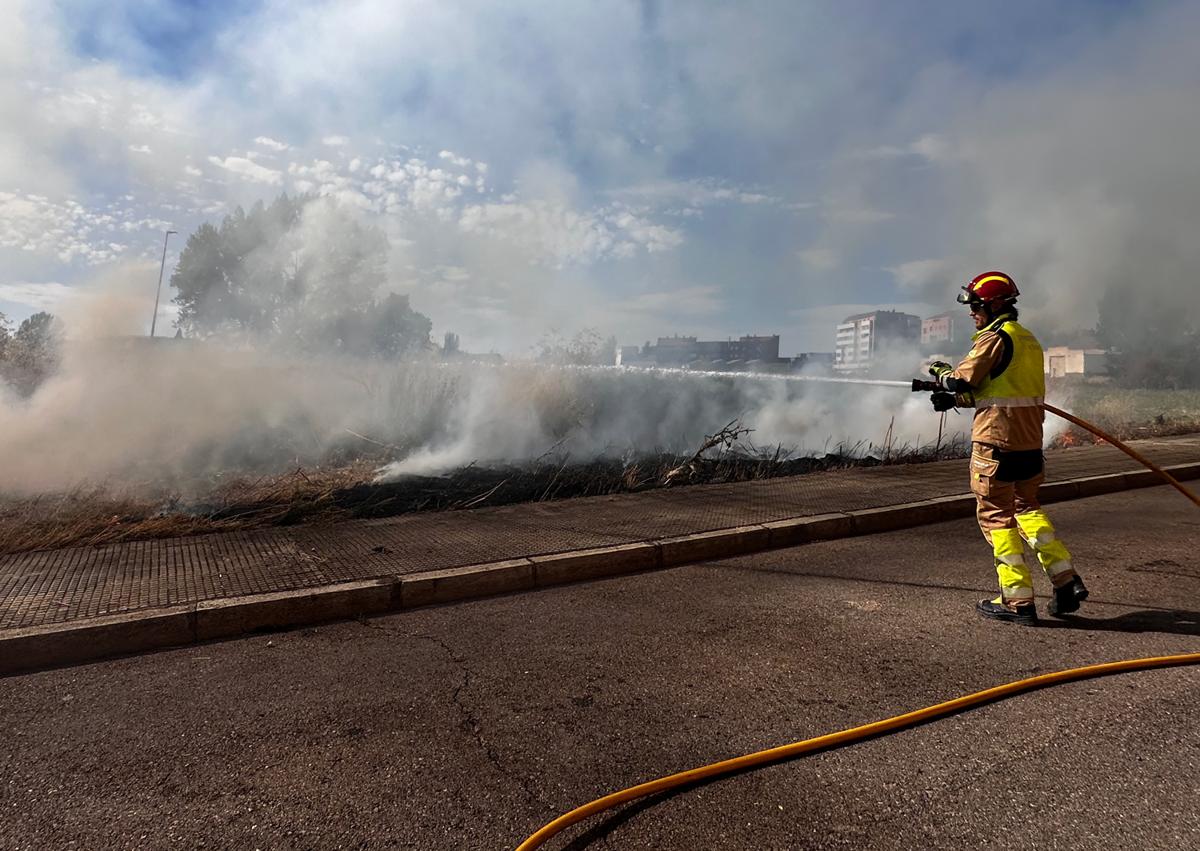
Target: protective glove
(939,368)
(942,401)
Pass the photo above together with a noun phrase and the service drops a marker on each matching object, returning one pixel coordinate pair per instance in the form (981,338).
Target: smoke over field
(355,180)
(177,413)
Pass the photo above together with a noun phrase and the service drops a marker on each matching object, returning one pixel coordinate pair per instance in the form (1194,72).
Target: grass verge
(104,514)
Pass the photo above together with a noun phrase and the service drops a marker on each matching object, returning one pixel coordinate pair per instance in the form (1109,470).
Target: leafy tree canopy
(586,348)
(301,271)
(30,354)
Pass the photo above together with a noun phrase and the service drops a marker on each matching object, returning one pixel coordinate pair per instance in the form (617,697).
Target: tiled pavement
(60,586)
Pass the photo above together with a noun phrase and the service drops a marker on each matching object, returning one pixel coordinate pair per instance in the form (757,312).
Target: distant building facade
(863,342)
(753,353)
(1062,361)
(952,327)
(704,354)
(628,355)
(812,362)
(871,342)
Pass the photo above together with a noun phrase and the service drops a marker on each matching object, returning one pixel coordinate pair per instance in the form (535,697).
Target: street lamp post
(158,292)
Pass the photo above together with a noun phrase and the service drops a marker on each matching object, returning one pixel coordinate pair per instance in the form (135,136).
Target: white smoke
(178,413)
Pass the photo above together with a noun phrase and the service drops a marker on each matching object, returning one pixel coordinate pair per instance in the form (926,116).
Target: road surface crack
(470,723)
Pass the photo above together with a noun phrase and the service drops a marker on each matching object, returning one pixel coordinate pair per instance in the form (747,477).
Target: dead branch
(727,436)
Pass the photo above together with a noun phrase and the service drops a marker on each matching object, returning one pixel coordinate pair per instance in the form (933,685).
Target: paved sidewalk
(63,586)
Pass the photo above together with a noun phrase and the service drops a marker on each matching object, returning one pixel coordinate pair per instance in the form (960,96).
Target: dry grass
(88,516)
(1129,413)
(108,514)
(96,515)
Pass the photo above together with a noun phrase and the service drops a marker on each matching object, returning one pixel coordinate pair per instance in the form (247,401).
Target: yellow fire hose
(888,725)
(846,737)
(1135,455)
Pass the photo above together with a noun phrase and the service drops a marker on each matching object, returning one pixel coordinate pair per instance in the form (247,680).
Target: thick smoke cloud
(801,156)
(644,169)
(177,414)
(1089,181)
(1078,178)
(125,409)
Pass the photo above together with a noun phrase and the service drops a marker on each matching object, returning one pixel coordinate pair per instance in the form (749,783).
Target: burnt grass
(473,487)
(344,489)
(97,515)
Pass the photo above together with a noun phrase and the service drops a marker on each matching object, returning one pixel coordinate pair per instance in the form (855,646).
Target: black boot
(1067,598)
(1023,613)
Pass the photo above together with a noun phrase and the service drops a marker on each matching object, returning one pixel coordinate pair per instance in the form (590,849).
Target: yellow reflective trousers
(1009,516)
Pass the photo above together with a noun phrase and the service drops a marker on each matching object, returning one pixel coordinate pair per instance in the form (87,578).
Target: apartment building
(864,341)
(952,327)
(704,354)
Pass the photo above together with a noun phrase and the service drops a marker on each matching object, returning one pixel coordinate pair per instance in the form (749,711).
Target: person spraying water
(1002,378)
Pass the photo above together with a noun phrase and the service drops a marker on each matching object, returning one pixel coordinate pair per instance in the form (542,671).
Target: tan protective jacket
(1004,355)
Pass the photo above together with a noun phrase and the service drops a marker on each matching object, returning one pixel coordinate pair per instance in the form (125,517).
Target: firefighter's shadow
(1174,621)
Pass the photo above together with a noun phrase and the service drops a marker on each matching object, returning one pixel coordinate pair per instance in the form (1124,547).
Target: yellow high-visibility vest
(1021,382)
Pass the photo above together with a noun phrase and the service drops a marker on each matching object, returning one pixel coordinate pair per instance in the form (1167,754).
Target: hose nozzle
(921,386)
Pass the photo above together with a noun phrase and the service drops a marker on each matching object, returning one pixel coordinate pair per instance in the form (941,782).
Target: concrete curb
(35,648)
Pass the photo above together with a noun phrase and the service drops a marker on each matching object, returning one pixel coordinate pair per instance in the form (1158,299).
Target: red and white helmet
(994,289)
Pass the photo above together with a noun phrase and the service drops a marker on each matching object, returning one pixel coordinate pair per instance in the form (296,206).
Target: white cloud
(140,149)
(931,147)
(65,232)
(556,235)
(454,159)
(274,145)
(694,193)
(335,141)
(249,169)
(641,231)
(65,229)
(39,296)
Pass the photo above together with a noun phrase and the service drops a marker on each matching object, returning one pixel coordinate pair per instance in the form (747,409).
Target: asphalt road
(469,726)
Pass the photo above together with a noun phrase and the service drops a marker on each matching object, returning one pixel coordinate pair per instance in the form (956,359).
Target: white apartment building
(863,340)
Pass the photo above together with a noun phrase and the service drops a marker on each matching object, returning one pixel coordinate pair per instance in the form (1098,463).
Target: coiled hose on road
(888,725)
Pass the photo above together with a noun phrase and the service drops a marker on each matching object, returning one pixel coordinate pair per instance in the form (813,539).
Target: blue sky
(176,40)
(640,168)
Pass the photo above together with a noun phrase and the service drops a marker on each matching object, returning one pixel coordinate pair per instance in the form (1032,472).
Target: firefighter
(1002,378)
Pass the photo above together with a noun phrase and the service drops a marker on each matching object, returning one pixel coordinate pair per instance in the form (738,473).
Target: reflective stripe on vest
(1023,382)
(1010,402)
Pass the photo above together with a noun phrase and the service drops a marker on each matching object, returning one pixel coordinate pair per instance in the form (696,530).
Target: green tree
(302,272)
(238,277)
(5,337)
(387,328)
(32,353)
(586,348)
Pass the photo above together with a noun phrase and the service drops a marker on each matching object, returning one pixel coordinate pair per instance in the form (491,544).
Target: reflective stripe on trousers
(1051,552)
(1008,546)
